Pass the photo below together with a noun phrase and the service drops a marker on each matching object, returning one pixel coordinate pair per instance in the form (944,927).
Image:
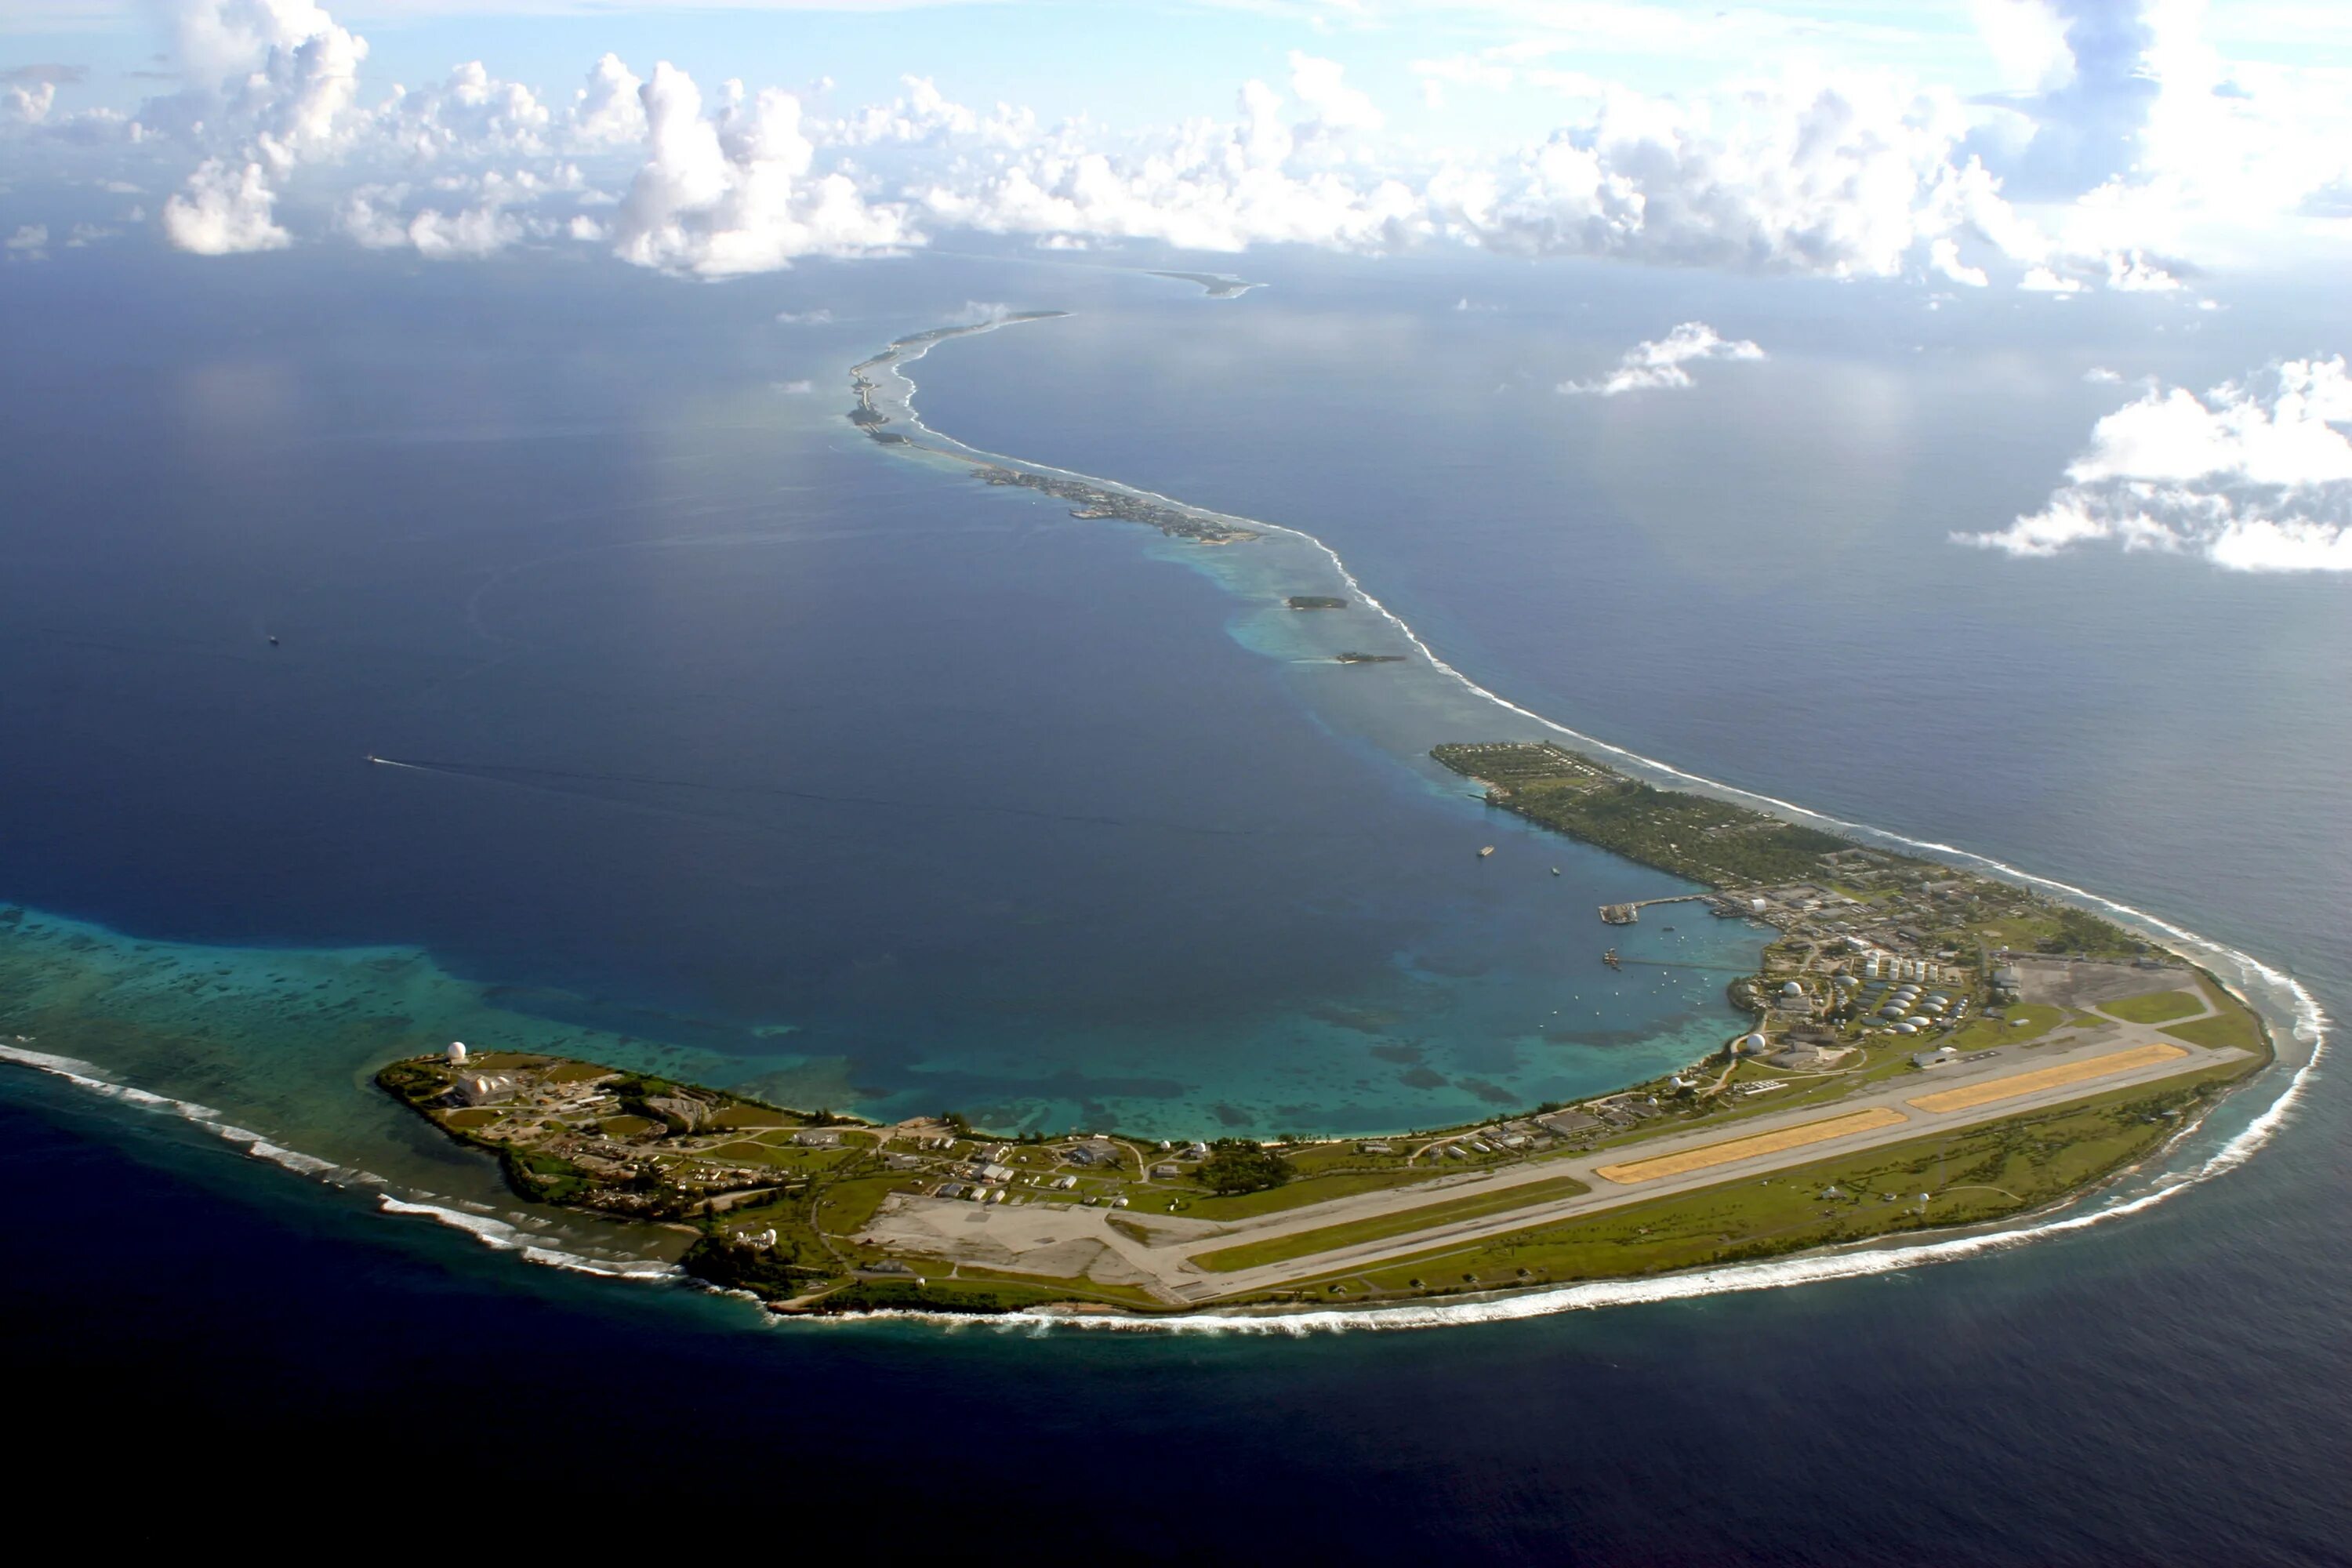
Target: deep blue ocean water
(748,745)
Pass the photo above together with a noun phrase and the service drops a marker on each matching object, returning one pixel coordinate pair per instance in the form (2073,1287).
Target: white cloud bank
(2139,141)
(735,193)
(2255,476)
(1658,365)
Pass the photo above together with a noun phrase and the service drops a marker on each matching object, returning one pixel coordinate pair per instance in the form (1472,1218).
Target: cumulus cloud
(607,111)
(293,105)
(1944,257)
(2027,39)
(921,115)
(1658,365)
(377,217)
(1852,178)
(737,193)
(2255,476)
(472,115)
(217,36)
(1270,176)
(223,210)
(1331,104)
(475,214)
(2081,87)
(816,318)
(29,243)
(1848,179)
(2120,125)
(2131,272)
(2161,144)
(27,103)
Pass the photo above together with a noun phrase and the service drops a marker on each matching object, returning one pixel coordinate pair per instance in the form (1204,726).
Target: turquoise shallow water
(770,757)
(749,752)
(2163,1388)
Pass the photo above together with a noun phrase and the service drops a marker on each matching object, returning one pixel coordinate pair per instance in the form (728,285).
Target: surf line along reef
(1928,1047)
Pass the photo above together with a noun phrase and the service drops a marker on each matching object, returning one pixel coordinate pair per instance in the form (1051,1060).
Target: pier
(1631,914)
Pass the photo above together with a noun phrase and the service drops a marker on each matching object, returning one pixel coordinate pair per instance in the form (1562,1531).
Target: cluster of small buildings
(1906,1011)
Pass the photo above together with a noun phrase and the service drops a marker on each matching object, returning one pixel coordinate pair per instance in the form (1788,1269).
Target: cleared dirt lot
(2086,982)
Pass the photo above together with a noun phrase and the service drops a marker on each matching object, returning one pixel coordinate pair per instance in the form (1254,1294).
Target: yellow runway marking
(1724,1154)
(2024,1083)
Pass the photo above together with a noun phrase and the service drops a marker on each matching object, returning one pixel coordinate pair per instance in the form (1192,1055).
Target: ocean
(721,740)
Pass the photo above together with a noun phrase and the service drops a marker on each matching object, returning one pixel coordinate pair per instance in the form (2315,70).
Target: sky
(2045,148)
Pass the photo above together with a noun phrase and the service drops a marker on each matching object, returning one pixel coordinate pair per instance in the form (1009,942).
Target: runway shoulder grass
(1981,1173)
(1405,1222)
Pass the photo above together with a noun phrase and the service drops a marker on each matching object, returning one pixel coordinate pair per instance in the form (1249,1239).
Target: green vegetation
(1301,1191)
(1692,836)
(941,1296)
(1241,1165)
(543,1178)
(1316,602)
(1405,1222)
(1980,1174)
(771,1273)
(743,1115)
(2234,1025)
(2154,1008)
(2078,930)
(2026,1021)
(802,1224)
(744,1151)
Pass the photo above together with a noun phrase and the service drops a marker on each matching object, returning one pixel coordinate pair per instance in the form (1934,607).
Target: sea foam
(2240,971)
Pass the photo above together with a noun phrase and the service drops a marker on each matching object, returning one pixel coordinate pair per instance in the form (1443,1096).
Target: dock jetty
(1631,914)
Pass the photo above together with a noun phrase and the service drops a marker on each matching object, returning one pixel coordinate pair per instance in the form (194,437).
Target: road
(1047,1239)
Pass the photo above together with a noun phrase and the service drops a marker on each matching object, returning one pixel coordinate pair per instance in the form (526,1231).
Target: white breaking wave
(90,1075)
(492,1232)
(2310,1028)
(502,1237)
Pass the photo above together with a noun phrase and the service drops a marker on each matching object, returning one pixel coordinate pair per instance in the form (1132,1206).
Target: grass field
(2233,1026)
(785,1157)
(1297,1193)
(741,1116)
(2026,1021)
(2154,1008)
(1405,1222)
(493,1060)
(1976,1174)
(845,1206)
